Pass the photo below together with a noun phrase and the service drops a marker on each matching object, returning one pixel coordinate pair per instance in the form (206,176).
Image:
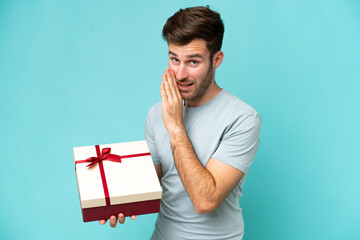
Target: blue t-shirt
(224,128)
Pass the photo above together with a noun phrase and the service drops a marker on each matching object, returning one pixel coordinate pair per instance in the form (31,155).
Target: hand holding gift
(113,220)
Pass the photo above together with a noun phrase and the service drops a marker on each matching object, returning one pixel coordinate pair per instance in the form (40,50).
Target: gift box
(116,178)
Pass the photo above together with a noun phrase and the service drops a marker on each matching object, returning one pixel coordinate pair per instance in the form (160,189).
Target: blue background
(77,73)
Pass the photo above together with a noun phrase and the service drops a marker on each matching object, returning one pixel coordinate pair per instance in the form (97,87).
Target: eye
(175,60)
(194,62)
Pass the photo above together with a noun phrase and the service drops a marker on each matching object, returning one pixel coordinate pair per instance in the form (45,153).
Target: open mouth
(185,86)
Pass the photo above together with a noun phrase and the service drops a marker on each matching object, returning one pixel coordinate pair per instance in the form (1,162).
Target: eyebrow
(196,55)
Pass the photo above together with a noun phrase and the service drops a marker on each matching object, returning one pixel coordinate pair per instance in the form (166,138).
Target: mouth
(185,86)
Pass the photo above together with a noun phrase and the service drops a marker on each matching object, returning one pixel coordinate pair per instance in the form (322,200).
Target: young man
(202,139)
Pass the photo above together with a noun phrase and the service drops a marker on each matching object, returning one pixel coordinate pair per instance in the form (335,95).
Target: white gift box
(123,182)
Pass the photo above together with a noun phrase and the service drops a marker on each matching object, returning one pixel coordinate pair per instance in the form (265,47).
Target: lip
(185,87)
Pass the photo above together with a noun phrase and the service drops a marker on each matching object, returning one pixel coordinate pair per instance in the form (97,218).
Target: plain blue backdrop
(77,73)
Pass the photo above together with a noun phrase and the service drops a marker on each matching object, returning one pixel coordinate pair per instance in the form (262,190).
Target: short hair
(195,23)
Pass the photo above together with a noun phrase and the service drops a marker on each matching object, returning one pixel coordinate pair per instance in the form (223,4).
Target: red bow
(104,155)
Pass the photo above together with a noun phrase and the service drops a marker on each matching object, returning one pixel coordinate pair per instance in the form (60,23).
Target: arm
(207,186)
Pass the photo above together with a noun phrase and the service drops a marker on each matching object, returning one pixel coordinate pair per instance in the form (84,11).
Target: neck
(206,97)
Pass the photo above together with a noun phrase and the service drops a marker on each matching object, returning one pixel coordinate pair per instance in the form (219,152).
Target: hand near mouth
(172,104)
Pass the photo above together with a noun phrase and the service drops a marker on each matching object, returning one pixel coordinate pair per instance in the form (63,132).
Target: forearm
(206,187)
(197,180)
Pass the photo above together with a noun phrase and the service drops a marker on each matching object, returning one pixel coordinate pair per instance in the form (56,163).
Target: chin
(186,96)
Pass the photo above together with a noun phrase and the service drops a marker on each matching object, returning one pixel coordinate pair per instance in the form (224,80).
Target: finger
(121,218)
(163,94)
(176,84)
(102,222)
(171,78)
(167,83)
(133,217)
(113,221)
(176,87)
(172,83)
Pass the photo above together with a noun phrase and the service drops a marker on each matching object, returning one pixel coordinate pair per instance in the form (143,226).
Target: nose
(181,73)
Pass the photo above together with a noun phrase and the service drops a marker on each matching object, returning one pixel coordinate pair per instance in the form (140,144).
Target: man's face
(193,69)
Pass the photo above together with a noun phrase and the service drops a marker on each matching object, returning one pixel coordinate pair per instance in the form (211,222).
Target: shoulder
(154,115)
(238,109)
(154,110)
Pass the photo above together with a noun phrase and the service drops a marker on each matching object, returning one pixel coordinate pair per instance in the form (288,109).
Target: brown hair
(195,23)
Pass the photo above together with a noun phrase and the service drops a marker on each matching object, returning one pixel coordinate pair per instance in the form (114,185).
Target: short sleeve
(240,142)
(149,138)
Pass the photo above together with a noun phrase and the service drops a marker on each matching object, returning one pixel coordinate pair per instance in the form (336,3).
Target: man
(202,139)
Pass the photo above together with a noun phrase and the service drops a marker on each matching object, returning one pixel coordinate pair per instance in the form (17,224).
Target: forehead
(196,47)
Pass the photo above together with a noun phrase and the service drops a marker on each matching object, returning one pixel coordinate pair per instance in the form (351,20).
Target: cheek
(198,73)
(171,66)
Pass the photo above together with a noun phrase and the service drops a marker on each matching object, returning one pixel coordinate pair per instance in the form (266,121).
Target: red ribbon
(105,155)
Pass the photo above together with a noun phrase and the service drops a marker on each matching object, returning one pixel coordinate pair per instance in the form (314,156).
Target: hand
(113,220)
(172,105)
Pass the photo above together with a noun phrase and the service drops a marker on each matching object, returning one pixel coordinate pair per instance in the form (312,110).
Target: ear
(217,59)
